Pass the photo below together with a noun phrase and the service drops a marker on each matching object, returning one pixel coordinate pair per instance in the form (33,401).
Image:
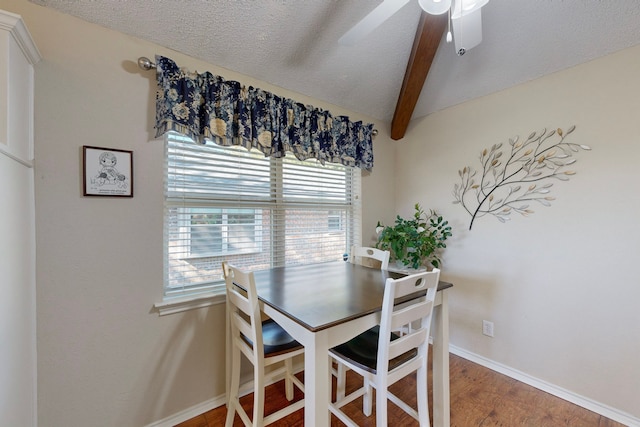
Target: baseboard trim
(569,396)
(201,408)
(189,413)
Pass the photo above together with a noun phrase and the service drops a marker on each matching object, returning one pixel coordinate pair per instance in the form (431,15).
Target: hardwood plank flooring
(480,397)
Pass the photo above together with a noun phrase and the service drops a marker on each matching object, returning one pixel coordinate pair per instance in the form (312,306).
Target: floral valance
(208,107)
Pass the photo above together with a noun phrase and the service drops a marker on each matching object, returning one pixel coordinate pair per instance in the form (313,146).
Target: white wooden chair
(382,357)
(264,343)
(370,257)
(363,255)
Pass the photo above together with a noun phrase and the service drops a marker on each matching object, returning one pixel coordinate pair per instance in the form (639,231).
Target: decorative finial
(145,63)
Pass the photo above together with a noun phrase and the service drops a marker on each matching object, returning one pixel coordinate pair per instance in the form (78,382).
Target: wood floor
(479,397)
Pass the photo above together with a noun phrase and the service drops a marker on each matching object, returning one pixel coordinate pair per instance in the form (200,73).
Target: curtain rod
(146,64)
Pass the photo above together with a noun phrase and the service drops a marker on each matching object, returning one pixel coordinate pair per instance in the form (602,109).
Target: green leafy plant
(415,241)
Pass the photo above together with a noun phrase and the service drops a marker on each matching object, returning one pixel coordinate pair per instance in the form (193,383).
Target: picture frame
(107,172)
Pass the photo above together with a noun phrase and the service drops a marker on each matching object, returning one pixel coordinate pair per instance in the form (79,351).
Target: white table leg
(441,411)
(317,379)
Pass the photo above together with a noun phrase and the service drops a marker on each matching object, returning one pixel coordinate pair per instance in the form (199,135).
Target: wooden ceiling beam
(425,46)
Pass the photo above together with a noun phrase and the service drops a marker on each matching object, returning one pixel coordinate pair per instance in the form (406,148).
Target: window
(335,221)
(216,231)
(227,203)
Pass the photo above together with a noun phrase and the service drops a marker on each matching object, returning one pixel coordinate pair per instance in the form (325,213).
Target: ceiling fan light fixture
(435,7)
(468,5)
(464,7)
(467,30)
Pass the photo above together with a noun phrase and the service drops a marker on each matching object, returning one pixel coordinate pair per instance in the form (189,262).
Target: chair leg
(234,388)
(381,405)
(423,401)
(341,382)
(288,384)
(231,414)
(367,399)
(231,411)
(258,393)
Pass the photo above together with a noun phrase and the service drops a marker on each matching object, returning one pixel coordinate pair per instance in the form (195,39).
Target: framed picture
(107,172)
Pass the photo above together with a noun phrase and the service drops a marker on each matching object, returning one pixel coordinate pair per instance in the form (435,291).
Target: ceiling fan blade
(377,16)
(467,29)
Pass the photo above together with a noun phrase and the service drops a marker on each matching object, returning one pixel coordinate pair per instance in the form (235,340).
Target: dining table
(325,304)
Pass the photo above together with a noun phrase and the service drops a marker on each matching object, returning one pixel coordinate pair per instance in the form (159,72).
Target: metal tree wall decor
(510,179)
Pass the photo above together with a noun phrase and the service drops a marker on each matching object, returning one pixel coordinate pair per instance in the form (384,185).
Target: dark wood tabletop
(318,296)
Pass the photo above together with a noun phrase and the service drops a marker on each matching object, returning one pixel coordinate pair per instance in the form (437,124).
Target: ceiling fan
(464,15)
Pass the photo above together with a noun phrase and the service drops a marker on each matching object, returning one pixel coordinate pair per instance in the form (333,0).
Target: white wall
(562,285)
(105,358)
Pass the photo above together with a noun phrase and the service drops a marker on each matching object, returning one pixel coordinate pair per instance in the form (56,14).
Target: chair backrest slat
(407,342)
(407,314)
(245,327)
(240,301)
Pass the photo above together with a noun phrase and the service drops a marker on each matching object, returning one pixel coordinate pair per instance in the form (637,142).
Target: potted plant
(415,242)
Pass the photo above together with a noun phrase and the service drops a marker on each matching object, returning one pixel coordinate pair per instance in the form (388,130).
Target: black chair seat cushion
(275,339)
(363,351)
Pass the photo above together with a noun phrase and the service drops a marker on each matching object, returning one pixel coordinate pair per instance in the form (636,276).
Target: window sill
(178,305)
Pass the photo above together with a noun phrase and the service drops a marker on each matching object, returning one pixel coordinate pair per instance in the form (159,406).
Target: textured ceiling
(293,43)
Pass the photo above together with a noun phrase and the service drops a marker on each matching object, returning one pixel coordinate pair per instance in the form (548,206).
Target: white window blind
(226,203)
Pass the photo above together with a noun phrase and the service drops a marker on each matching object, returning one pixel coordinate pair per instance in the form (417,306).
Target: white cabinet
(18,359)
(18,53)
